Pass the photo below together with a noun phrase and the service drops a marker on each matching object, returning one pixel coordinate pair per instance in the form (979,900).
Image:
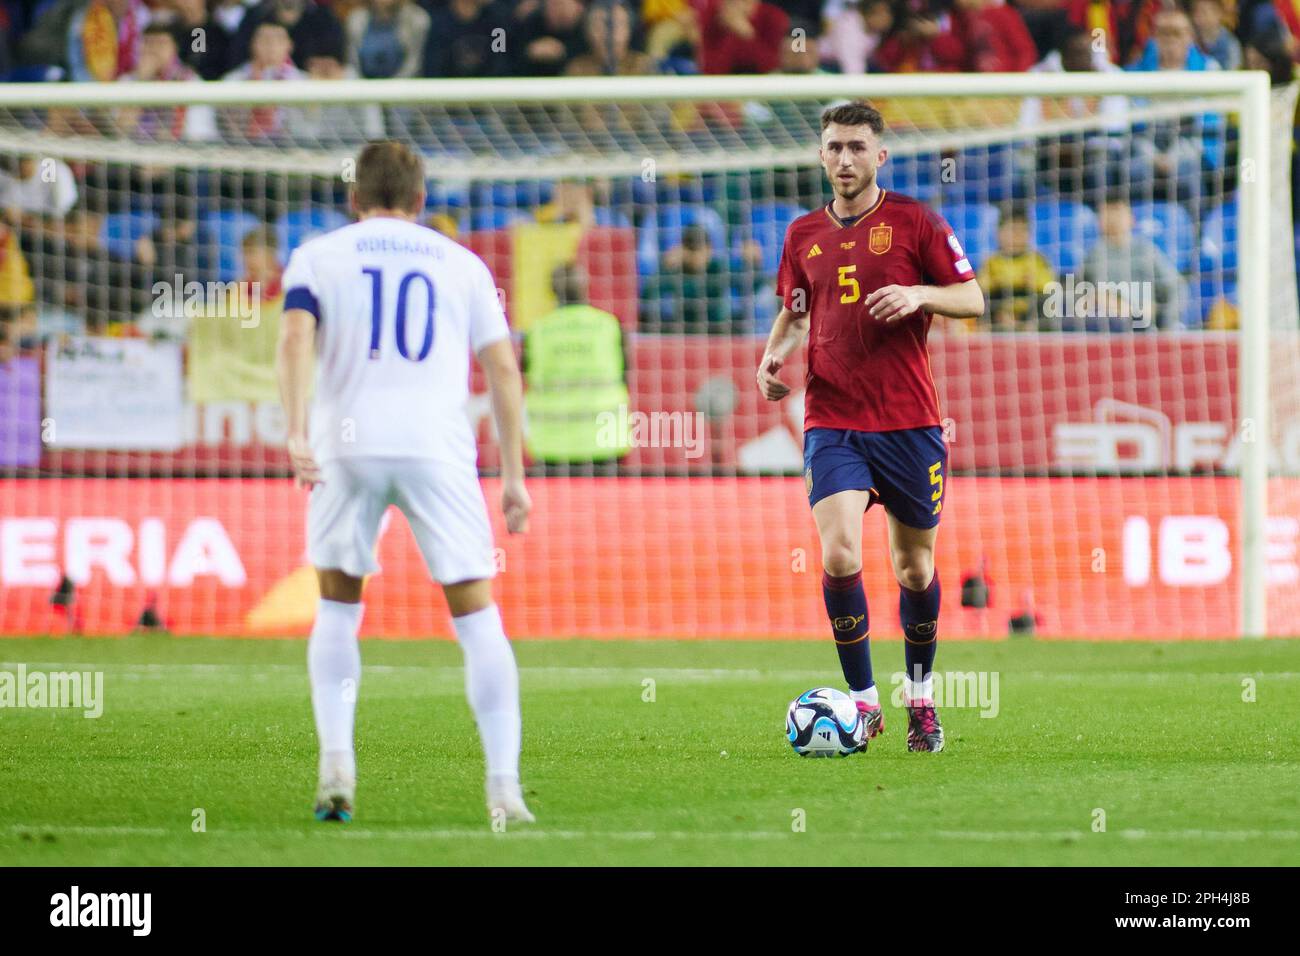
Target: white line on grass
(687,673)
(540,833)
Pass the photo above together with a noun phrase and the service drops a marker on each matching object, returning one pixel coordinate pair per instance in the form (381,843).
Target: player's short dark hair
(390,175)
(856,113)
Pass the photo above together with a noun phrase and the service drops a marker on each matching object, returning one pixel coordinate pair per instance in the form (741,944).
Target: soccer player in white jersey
(388,311)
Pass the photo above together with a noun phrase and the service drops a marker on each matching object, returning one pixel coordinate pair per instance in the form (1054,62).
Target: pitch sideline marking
(353,833)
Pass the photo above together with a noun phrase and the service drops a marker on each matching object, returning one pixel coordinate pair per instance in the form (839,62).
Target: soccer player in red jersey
(861,279)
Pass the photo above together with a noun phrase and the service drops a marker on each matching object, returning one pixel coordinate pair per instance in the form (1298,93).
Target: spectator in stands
(467,40)
(921,41)
(608,31)
(1131,276)
(204,44)
(386,39)
(994,35)
(17,293)
(672,32)
(1078,163)
(572,201)
(335,124)
(854,30)
(1126,25)
(1213,38)
(1270,51)
(272,59)
(160,61)
(40,190)
(548,38)
(1014,278)
(104,39)
(742,36)
(691,292)
(77,271)
(306,24)
(1172,45)
(1176,157)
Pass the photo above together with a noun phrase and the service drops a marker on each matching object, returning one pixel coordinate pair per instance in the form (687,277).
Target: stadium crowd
(106,40)
(83,248)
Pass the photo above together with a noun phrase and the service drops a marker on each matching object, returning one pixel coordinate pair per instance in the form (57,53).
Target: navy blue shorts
(903,470)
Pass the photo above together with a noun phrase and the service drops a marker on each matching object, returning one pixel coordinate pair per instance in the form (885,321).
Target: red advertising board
(1101,558)
(1013,405)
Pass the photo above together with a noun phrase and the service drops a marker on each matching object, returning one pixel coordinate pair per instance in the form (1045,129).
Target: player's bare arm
(294,355)
(506,387)
(788,333)
(893,302)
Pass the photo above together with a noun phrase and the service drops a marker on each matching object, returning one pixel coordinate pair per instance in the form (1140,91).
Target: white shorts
(443,504)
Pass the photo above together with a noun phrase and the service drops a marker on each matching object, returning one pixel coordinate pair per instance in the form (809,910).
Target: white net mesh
(1092,414)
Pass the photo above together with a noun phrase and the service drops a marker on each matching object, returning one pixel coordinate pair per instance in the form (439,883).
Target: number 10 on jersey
(377,314)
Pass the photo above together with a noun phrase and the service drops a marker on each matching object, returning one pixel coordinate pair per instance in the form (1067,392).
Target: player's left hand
(890,303)
(306,472)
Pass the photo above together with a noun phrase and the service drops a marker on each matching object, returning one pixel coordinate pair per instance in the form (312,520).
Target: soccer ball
(824,722)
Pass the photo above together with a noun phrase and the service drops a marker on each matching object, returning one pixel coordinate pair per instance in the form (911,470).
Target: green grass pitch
(1156,736)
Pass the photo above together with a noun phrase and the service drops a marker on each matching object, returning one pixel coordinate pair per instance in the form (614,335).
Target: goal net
(1123,424)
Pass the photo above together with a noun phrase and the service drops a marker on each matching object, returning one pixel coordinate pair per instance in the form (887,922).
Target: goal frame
(1248,88)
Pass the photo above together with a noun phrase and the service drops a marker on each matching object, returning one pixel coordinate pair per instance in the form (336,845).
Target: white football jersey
(399,307)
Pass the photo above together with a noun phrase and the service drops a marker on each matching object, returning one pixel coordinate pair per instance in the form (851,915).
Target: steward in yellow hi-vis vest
(575,373)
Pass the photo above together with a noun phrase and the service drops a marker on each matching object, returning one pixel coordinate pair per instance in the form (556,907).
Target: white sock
(334,663)
(918,690)
(871,695)
(492,686)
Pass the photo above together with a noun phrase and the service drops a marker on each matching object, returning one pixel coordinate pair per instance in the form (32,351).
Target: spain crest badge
(880,239)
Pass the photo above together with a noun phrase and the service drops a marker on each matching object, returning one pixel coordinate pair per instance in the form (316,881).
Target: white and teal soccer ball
(824,722)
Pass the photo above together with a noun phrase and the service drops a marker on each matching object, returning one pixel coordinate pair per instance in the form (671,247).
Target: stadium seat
(1169,226)
(298,225)
(664,231)
(916,176)
(442,195)
(220,234)
(984,174)
(976,226)
(612,217)
(1063,231)
(121,230)
(767,223)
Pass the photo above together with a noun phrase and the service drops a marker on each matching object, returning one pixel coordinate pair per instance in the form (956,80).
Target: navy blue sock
(846,606)
(919,613)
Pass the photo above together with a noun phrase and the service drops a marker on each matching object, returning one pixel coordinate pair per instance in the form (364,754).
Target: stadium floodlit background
(1093,454)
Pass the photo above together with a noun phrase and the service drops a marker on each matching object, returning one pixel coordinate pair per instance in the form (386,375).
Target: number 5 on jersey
(377,314)
(847,281)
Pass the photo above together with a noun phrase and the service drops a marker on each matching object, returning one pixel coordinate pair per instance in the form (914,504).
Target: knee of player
(914,571)
(841,560)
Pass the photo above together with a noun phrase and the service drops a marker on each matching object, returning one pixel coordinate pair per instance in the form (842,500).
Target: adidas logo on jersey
(816,250)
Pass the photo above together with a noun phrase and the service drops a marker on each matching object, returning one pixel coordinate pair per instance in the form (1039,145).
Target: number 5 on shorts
(936,479)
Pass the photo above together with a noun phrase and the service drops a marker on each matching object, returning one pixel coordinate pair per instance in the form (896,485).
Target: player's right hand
(516,506)
(771,387)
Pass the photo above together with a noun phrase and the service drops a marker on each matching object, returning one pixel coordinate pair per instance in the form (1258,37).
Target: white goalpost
(1108,481)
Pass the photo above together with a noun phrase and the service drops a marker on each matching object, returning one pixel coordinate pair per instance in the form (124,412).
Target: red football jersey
(865,374)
